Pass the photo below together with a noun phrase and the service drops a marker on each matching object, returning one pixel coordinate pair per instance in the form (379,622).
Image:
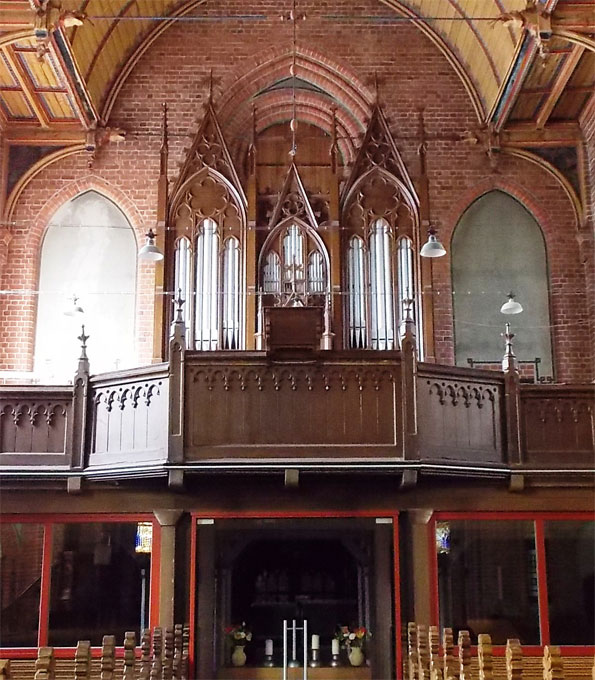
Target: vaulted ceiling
(520,62)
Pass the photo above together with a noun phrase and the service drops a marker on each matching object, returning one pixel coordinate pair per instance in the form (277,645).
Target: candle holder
(268,661)
(315,660)
(335,661)
(293,663)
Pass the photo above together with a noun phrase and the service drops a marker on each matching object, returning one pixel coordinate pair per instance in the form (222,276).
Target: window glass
(498,248)
(21,549)
(487,579)
(100,581)
(570,560)
(88,252)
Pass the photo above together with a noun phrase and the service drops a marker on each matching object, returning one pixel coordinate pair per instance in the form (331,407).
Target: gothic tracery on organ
(310,235)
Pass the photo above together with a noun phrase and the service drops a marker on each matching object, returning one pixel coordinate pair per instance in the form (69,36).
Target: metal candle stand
(293,662)
(315,660)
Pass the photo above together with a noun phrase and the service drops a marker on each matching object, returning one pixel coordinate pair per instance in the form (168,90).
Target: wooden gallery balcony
(295,408)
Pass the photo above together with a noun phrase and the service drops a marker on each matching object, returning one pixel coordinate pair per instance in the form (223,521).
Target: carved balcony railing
(248,407)
(209,410)
(460,414)
(36,426)
(557,425)
(129,417)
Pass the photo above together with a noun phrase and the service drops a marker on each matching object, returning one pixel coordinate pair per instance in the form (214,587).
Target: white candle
(268,647)
(316,642)
(335,647)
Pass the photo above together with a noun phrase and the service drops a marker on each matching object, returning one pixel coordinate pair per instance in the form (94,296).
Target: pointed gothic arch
(205,249)
(497,247)
(88,251)
(380,220)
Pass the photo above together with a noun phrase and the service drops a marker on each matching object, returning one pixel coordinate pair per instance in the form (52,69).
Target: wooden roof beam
(564,75)
(573,17)
(27,86)
(77,87)
(16,15)
(56,136)
(513,83)
(525,135)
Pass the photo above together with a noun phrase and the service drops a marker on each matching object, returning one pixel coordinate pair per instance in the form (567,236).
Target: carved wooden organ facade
(292,230)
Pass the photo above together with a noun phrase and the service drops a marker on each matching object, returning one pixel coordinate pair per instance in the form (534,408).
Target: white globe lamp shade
(432,247)
(150,252)
(511,306)
(74,309)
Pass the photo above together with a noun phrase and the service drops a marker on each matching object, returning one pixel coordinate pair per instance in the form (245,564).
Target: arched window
(208,262)
(498,247)
(88,251)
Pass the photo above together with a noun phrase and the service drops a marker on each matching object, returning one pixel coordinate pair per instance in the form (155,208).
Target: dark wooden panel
(34,421)
(129,418)
(558,425)
(459,416)
(259,409)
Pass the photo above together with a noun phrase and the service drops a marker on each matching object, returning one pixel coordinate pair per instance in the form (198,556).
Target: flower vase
(238,657)
(356,656)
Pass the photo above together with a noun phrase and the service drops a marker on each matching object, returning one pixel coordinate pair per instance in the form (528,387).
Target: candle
(335,647)
(316,642)
(268,647)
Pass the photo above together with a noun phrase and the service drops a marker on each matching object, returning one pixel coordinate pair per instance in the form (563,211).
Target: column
(167,520)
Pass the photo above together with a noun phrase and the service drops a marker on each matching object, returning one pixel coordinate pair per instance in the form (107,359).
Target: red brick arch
(516,191)
(566,280)
(343,87)
(91,182)
(19,310)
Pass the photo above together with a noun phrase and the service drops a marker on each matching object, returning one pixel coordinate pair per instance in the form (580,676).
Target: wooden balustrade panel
(459,415)
(258,409)
(34,421)
(129,417)
(558,425)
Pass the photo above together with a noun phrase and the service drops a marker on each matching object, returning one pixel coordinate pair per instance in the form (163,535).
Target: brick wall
(588,231)
(340,56)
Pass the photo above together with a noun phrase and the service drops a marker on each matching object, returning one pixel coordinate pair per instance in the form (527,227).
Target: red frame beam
(538,519)
(48,522)
(296,514)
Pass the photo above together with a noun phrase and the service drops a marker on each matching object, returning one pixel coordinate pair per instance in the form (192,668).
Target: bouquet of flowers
(352,637)
(238,635)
